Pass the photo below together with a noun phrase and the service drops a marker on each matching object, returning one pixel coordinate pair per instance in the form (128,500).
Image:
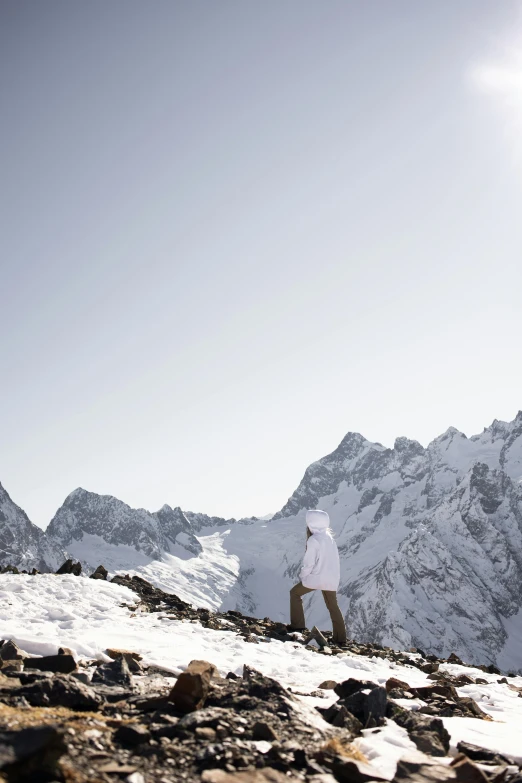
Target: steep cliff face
(22,544)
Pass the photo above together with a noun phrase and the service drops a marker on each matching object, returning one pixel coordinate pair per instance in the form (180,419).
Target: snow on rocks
(92,618)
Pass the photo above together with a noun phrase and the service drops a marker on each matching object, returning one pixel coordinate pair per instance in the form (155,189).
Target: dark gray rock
(132,734)
(114,673)
(427,733)
(70,567)
(100,573)
(64,664)
(62,690)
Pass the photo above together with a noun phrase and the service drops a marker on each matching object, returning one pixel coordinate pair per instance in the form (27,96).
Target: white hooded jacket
(321,568)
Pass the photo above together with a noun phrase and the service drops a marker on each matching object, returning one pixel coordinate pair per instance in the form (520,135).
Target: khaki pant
(297,618)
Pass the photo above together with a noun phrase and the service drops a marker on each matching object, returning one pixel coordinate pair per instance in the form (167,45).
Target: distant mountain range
(430,542)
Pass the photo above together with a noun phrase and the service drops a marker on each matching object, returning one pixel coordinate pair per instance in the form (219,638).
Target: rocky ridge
(67,720)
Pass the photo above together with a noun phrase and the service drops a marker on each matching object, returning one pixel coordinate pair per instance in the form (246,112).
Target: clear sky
(233,231)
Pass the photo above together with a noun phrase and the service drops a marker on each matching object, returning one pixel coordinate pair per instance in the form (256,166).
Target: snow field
(42,613)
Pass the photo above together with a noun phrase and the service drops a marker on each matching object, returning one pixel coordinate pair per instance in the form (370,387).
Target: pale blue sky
(233,231)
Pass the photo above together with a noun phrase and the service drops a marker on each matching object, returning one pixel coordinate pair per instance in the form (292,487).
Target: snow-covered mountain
(23,544)
(95,528)
(430,542)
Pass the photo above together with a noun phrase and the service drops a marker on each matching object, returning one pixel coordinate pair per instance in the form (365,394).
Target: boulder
(414,770)
(337,715)
(100,573)
(9,651)
(192,686)
(394,684)
(115,673)
(132,659)
(367,705)
(350,686)
(328,685)
(62,690)
(428,734)
(70,567)
(64,664)
(483,755)
(467,771)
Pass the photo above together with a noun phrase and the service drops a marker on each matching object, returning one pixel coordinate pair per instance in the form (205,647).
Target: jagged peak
(79,492)
(402,443)
(449,434)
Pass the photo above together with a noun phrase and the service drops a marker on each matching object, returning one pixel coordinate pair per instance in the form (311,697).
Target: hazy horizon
(232,233)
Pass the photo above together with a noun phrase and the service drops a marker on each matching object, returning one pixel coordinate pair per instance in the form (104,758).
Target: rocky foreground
(68,721)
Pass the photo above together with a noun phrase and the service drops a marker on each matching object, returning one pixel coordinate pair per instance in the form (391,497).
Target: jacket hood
(317,520)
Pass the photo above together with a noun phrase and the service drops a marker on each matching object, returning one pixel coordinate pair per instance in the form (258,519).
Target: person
(321,570)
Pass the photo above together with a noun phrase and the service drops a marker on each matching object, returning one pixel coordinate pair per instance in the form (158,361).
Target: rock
(115,673)
(467,704)
(192,686)
(350,686)
(467,771)
(82,677)
(197,666)
(349,770)
(205,733)
(9,651)
(60,691)
(316,634)
(368,706)
(417,771)
(428,692)
(428,733)
(338,715)
(263,731)
(32,753)
(393,683)
(266,775)
(232,676)
(132,734)
(328,685)
(100,573)
(207,716)
(70,567)
(11,668)
(131,658)
(429,668)
(116,652)
(455,659)
(65,651)
(262,687)
(476,753)
(64,664)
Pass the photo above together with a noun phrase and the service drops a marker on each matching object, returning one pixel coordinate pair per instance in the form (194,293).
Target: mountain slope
(100,528)
(22,544)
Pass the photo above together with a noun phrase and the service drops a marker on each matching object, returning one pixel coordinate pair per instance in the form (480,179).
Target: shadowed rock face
(23,544)
(107,519)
